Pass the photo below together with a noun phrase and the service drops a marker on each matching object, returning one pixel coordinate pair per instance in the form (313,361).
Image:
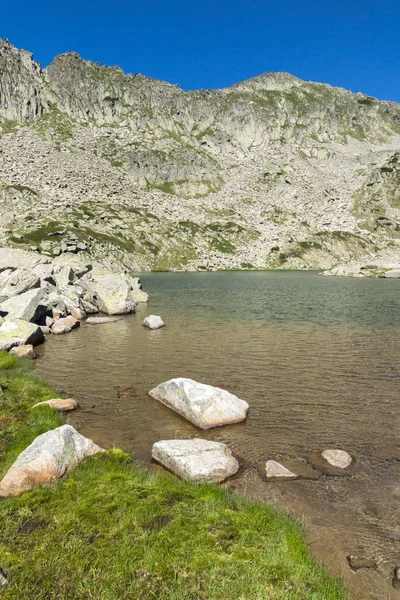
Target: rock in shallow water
(50,456)
(196,460)
(337,458)
(101,320)
(60,404)
(153,322)
(203,405)
(275,469)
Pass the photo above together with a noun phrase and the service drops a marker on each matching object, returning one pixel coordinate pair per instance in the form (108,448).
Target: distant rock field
(273,172)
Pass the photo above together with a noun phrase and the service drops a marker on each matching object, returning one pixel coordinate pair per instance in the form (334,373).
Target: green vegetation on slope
(112,530)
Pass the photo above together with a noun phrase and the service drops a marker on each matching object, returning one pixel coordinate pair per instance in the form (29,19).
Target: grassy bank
(112,531)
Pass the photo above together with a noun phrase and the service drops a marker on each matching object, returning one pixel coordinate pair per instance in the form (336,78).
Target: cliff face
(273,171)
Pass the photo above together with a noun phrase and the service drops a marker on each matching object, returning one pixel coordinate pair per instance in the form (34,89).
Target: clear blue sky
(214,43)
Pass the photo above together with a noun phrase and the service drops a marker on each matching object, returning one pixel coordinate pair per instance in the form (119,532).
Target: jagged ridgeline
(271,172)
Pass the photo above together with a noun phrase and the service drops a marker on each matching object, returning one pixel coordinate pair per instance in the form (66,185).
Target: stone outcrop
(153,322)
(196,460)
(203,405)
(57,294)
(273,171)
(50,456)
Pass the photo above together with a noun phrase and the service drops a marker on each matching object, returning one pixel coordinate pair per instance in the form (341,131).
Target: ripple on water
(317,359)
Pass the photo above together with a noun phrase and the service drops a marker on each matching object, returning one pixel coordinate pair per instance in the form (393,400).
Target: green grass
(112,530)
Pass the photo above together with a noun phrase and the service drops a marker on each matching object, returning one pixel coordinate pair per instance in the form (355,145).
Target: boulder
(393,274)
(101,320)
(16,332)
(204,405)
(11,258)
(64,325)
(153,322)
(337,458)
(27,306)
(275,469)
(3,578)
(112,292)
(17,282)
(60,404)
(49,457)
(196,460)
(24,351)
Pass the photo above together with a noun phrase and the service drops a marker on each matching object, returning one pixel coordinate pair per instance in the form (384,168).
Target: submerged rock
(60,404)
(153,322)
(16,332)
(65,325)
(50,456)
(275,469)
(337,458)
(196,460)
(204,405)
(24,351)
(101,320)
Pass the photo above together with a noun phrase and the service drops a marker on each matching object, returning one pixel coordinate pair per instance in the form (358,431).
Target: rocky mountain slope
(271,172)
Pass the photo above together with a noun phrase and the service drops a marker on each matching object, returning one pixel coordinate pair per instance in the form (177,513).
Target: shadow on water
(317,358)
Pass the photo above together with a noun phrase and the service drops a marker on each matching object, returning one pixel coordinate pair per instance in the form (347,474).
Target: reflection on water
(317,359)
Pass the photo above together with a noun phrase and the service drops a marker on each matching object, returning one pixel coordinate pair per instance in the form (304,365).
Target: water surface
(317,359)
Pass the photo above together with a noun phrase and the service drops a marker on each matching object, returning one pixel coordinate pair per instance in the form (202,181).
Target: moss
(7,126)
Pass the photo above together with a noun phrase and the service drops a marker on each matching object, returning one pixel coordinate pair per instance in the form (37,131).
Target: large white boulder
(204,405)
(50,456)
(337,458)
(17,282)
(113,293)
(153,322)
(196,460)
(26,306)
(16,332)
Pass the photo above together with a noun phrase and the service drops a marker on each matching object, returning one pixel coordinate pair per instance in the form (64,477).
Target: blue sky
(214,43)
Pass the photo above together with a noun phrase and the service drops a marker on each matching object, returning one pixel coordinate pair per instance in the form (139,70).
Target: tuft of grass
(112,530)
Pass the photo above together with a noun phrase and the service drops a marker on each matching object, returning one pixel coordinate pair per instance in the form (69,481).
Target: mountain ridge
(268,172)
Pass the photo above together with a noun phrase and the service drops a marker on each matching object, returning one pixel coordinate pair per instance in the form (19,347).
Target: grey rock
(27,306)
(16,332)
(153,322)
(113,294)
(50,456)
(3,578)
(101,320)
(196,460)
(393,274)
(204,405)
(11,258)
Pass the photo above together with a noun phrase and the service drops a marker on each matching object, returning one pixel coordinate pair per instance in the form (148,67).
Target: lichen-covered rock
(16,332)
(196,460)
(204,405)
(112,292)
(153,322)
(27,306)
(24,351)
(49,457)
